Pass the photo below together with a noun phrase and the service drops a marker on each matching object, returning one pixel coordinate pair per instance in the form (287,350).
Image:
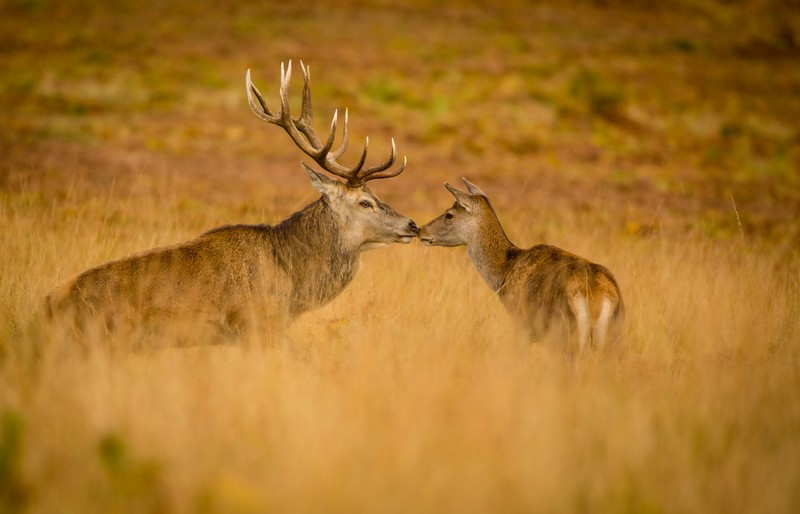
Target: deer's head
(461,223)
(366,221)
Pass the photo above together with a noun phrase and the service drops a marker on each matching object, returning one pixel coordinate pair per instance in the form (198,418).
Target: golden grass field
(662,143)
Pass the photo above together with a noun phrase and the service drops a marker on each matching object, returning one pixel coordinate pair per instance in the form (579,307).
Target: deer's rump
(546,288)
(216,277)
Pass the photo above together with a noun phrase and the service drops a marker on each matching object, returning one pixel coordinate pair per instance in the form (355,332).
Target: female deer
(544,287)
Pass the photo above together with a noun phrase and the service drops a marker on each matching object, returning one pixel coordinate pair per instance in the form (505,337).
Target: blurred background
(655,116)
(661,139)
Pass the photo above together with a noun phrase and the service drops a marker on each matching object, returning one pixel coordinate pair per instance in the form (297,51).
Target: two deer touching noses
(244,277)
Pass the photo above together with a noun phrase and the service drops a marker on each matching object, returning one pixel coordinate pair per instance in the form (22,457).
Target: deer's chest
(324,282)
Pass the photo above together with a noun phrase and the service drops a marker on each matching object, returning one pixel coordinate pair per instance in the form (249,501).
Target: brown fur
(242,276)
(235,276)
(540,286)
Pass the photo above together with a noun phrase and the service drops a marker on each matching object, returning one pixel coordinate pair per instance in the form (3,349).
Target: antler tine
(303,135)
(306,112)
(361,160)
(286,76)
(374,172)
(301,130)
(324,152)
(305,123)
(264,113)
(345,139)
(389,173)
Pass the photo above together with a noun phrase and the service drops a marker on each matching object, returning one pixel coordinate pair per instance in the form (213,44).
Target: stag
(550,291)
(242,276)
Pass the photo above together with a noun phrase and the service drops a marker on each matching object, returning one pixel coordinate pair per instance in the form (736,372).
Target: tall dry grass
(123,127)
(413,391)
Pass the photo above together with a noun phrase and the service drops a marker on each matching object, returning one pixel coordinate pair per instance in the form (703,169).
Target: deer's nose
(413,227)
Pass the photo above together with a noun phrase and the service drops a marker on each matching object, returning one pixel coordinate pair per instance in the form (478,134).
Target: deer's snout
(422,234)
(407,233)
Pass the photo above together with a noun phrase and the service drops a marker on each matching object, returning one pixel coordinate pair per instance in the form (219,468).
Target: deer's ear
(322,183)
(463,199)
(472,188)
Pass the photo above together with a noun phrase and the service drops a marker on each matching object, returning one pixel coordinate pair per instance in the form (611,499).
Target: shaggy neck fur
(309,247)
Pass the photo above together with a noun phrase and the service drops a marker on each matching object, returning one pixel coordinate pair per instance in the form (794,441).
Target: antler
(301,130)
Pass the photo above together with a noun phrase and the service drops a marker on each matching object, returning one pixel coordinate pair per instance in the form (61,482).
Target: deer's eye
(448,216)
(365,204)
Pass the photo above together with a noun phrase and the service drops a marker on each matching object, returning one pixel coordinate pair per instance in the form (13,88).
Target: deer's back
(212,274)
(542,280)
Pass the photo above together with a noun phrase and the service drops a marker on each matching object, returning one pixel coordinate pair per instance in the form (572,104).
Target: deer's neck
(309,246)
(491,251)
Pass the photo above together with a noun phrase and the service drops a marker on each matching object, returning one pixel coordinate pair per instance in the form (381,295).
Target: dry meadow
(661,142)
